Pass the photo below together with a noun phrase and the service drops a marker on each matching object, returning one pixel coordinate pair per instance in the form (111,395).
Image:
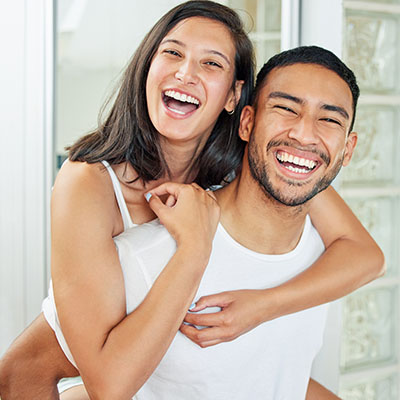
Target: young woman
(175,119)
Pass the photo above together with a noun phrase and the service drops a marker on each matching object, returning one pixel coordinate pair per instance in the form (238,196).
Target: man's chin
(291,196)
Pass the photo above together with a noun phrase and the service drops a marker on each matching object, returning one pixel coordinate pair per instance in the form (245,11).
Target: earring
(231,112)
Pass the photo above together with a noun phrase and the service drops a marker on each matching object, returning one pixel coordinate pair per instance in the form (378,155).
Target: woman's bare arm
(352,259)
(115,353)
(316,391)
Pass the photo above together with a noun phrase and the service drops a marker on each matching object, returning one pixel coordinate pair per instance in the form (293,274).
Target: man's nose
(304,131)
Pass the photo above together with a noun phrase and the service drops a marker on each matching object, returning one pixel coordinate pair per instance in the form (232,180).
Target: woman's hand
(85,266)
(241,311)
(190,213)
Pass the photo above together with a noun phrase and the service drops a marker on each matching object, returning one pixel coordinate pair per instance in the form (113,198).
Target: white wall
(95,41)
(25,160)
(322,24)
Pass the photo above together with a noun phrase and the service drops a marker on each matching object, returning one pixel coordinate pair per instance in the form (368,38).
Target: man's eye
(284,108)
(332,121)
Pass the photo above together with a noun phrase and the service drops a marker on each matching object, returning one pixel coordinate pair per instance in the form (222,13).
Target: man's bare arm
(33,365)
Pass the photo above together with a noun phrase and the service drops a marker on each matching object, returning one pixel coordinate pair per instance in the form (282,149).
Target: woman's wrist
(270,304)
(197,242)
(198,252)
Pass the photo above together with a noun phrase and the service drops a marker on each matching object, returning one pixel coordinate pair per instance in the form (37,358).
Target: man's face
(298,138)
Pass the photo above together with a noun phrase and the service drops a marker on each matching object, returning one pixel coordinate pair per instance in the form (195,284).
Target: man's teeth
(182,97)
(298,170)
(297,161)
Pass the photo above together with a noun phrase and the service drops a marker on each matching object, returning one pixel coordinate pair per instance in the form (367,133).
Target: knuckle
(226,320)
(196,336)
(231,335)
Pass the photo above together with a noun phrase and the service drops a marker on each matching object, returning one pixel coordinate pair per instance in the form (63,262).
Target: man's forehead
(306,81)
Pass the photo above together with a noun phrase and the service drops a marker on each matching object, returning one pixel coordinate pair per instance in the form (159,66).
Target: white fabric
(48,304)
(50,313)
(126,217)
(68,383)
(272,361)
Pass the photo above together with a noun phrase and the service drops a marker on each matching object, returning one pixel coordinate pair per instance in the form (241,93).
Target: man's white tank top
(272,361)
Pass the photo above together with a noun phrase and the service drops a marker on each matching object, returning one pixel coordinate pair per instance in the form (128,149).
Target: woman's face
(190,80)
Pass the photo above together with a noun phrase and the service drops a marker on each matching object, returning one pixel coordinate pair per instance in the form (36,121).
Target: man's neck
(256,220)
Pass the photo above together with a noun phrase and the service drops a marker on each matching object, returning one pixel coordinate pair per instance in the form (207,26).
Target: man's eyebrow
(287,96)
(216,52)
(337,109)
(328,107)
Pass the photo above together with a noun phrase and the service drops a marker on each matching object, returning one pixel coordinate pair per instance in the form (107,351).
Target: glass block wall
(371,186)
(263,21)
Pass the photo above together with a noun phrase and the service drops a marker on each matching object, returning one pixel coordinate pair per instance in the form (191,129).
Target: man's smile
(294,163)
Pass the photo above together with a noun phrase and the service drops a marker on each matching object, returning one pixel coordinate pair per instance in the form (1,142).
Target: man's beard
(260,174)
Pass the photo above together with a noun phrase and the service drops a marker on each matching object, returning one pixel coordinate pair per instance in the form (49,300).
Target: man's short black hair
(309,55)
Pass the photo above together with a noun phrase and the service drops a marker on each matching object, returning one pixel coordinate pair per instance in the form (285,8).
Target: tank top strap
(126,217)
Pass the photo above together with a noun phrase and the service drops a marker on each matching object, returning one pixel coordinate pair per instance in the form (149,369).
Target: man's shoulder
(310,236)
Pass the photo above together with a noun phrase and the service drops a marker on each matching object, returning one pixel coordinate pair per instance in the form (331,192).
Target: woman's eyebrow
(216,52)
(178,42)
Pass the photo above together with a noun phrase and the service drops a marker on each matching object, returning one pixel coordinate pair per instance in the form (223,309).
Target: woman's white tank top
(48,306)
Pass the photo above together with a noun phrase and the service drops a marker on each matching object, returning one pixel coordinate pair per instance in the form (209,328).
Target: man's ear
(234,97)
(246,123)
(350,145)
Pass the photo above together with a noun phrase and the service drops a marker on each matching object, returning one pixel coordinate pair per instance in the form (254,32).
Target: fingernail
(193,305)
(148,196)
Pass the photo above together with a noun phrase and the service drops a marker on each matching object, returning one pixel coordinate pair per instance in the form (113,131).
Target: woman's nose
(187,72)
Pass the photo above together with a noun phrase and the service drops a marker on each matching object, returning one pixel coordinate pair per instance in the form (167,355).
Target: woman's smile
(190,79)
(180,103)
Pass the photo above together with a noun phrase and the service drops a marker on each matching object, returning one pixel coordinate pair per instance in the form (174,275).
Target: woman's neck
(180,158)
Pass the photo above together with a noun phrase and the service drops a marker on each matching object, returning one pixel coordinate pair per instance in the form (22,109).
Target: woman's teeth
(182,97)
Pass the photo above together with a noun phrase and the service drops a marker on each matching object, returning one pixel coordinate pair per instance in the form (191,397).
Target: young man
(299,134)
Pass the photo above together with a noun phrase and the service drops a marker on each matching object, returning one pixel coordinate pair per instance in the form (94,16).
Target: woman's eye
(214,64)
(172,52)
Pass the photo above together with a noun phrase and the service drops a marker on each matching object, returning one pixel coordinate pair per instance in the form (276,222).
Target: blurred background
(61,60)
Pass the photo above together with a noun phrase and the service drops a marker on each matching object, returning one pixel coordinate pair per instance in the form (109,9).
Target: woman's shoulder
(77,175)
(79,184)
(78,170)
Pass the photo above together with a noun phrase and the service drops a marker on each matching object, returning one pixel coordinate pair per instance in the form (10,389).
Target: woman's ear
(246,123)
(234,97)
